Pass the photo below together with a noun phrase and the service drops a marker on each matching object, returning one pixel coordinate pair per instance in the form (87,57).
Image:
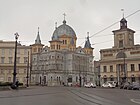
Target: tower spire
(38,41)
(87,43)
(38,30)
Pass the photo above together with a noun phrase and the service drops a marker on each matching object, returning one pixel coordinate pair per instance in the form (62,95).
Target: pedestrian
(17,83)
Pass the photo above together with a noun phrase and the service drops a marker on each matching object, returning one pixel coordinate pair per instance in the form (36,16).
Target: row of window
(11,60)
(132,79)
(11,51)
(121,68)
(10,71)
(10,79)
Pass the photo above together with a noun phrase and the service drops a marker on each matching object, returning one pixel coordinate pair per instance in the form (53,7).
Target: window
(17,70)
(9,79)
(18,51)
(57,46)
(65,41)
(132,67)
(2,59)
(10,60)
(111,68)
(18,59)
(120,43)
(139,66)
(25,60)
(133,79)
(2,71)
(3,51)
(25,70)
(9,71)
(76,79)
(25,51)
(10,52)
(104,69)
(34,50)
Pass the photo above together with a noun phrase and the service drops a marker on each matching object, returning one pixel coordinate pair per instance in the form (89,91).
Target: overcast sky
(25,16)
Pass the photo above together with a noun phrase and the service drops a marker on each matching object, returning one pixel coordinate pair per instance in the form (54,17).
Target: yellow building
(122,62)
(7,51)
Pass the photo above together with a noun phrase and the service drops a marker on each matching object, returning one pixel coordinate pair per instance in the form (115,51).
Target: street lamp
(14,73)
(28,71)
(124,78)
(80,79)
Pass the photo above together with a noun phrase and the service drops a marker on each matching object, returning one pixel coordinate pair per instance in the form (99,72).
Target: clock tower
(124,37)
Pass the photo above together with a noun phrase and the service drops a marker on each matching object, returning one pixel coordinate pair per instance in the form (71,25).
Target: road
(69,96)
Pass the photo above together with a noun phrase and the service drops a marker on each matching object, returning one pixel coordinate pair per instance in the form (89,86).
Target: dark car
(124,85)
(134,86)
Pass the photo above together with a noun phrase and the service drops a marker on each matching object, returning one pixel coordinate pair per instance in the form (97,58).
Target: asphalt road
(69,96)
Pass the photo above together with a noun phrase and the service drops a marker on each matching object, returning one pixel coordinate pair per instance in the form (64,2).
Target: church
(61,63)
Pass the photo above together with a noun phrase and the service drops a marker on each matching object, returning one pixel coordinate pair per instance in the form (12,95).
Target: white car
(108,85)
(90,85)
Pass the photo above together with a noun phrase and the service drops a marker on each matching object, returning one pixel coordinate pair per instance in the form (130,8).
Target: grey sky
(24,16)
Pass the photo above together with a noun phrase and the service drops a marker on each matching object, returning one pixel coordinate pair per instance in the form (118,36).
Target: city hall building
(121,62)
(61,63)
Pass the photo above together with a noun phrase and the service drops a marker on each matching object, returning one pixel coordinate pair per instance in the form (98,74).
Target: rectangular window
(120,43)
(18,51)
(104,69)
(25,59)
(10,52)
(111,68)
(10,60)
(25,70)
(2,60)
(18,59)
(139,66)
(132,67)
(9,71)
(2,71)
(9,79)
(25,51)
(2,52)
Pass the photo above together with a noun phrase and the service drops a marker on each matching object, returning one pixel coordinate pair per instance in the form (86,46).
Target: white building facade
(62,63)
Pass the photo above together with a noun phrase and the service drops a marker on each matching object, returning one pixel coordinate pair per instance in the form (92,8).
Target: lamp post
(124,78)
(27,84)
(14,73)
(79,73)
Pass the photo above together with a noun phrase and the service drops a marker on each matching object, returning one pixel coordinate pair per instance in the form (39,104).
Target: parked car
(134,86)
(112,82)
(108,85)
(90,85)
(124,85)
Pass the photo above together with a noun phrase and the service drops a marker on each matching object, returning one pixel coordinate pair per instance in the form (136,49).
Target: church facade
(61,63)
(121,62)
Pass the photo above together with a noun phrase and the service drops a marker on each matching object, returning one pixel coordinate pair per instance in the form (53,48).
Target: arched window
(121,54)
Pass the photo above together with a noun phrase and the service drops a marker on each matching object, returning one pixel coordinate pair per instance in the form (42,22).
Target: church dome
(63,29)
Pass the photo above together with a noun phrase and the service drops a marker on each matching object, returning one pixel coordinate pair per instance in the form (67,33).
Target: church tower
(87,48)
(37,47)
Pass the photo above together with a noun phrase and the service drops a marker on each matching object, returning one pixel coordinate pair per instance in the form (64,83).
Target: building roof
(63,29)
